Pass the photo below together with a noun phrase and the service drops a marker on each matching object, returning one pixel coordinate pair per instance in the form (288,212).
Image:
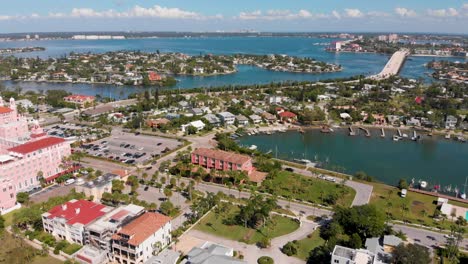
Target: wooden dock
(351,131)
(383,133)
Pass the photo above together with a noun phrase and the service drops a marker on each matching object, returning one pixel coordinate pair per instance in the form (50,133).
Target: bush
(265,260)
(265,242)
(289,249)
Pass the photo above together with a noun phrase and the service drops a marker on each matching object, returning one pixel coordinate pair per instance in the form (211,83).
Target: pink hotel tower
(23,154)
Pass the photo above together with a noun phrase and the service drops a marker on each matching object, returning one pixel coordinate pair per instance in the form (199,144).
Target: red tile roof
(257,176)
(143,227)
(222,155)
(117,216)
(78,97)
(4,110)
(36,145)
(287,114)
(88,212)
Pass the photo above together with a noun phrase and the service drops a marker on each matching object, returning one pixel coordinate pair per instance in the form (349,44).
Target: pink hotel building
(23,154)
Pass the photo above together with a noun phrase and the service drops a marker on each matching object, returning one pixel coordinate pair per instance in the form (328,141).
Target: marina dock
(351,131)
(368,134)
(383,133)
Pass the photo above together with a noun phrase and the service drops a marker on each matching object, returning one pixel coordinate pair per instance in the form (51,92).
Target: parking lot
(130,148)
(75,132)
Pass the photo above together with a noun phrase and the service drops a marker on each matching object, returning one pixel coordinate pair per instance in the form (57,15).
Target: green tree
(22,198)
(289,248)
(117,186)
(402,184)
(411,253)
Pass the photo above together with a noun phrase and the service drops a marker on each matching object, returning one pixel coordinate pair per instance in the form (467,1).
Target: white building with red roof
(25,155)
(136,242)
(68,221)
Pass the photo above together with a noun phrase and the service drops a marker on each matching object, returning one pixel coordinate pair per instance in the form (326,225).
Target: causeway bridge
(393,65)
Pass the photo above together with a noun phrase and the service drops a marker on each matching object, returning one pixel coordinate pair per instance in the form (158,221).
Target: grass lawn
(304,246)
(8,218)
(277,226)
(16,251)
(416,208)
(308,189)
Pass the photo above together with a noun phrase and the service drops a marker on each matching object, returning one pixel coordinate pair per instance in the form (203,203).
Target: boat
(423,184)
(447,136)
(326,129)
(405,135)
(301,131)
(396,138)
(461,139)
(253,147)
(415,136)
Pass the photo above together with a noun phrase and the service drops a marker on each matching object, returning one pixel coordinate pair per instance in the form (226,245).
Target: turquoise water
(353,63)
(435,160)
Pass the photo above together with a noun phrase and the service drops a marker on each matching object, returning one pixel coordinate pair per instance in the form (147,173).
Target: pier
(399,133)
(351,131)
(383,133)
(365,130)
(393,65)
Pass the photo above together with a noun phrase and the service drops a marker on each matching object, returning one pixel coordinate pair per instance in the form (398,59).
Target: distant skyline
(449,16)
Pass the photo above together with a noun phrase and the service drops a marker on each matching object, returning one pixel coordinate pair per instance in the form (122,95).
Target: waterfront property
(79,99)
(27,157)
(137,241)
(227,161)
(212,253)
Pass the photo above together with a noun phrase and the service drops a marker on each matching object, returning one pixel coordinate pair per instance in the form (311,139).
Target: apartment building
(137,241)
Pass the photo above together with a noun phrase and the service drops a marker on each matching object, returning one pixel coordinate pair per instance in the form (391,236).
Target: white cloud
(353,13)
(449,12)
(404,12)
(336,14)
(2,18)
(278,15)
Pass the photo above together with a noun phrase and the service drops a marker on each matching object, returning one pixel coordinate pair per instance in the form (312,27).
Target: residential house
(227,118)
(256,119)
(137,241)
(157,122)
(199,125)
(393,119)
(68,221)
(90,255)
(97,187)
(196,111)
(413,122)
(242,120)
(167,256)
(99,233)
(212,119)
(269,117)
(450,122)
(344,255)
(286,116)
(212,253)
(183,105)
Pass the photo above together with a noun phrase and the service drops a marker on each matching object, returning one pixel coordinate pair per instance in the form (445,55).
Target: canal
(432,159)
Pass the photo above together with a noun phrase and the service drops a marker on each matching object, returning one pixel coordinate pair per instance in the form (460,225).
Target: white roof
(5,158)
(345,115)
(197,124)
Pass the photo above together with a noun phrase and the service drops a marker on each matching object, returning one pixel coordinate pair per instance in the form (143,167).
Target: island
(447,70)
(4,51)
(142,68)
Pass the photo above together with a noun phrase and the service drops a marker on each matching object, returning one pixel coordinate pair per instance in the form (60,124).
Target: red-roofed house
(287,116)
(154,77)
(136,241)
(227,161)
(79,99)
(68,221)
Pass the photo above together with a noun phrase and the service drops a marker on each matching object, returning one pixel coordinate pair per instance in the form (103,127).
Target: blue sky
(230,15)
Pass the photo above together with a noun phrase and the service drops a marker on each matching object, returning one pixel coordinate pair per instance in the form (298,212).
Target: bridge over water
(393,65)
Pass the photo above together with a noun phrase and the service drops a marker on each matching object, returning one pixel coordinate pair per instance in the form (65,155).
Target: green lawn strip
(304,246)
(15,251)
(277,226)
(416,208)
(308,189)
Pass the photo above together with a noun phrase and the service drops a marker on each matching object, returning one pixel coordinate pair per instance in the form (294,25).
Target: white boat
(463,195)
(253,147)
(423,184)
(405,135)
(447,136)
(396,138)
